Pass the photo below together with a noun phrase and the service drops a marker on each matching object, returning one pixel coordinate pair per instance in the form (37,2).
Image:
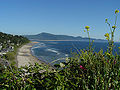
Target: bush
(10,56)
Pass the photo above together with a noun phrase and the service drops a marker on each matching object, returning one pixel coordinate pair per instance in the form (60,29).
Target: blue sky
(68,17)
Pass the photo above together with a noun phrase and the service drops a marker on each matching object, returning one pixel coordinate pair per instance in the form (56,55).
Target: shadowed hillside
(48,36)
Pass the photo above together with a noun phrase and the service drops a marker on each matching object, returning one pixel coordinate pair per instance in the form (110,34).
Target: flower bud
(114,26)
(107,36)
(87,27)
(116,11)
(106,20)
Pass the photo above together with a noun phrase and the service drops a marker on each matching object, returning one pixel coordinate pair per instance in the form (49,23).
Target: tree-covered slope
(15,39)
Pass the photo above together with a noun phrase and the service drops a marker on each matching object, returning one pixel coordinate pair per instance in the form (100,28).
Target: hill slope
(48,36)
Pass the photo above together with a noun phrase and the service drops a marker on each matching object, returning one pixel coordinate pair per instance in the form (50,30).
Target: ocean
(49,51)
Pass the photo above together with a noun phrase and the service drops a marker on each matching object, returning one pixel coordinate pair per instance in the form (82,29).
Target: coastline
(24,56)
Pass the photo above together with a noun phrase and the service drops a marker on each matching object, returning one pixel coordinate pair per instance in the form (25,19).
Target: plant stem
(89,40)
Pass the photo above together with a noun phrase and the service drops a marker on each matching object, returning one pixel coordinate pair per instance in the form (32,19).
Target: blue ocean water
(49,51)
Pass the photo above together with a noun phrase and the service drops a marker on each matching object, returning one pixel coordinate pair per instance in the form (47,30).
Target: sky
(64,17)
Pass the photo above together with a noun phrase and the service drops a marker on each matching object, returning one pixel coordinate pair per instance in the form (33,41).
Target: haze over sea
(49,51)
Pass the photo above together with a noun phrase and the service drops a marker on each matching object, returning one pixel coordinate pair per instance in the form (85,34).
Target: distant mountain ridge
(48,36)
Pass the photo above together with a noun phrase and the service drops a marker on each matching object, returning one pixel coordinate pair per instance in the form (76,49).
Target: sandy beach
(24,56)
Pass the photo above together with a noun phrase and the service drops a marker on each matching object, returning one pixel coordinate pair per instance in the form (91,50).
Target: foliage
(9,45)
(87,70)
(14,39)
(10,56)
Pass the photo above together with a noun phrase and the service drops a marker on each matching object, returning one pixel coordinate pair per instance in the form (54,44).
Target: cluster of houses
(8,42)
(4,48)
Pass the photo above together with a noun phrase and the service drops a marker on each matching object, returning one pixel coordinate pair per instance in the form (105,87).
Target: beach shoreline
(25,57)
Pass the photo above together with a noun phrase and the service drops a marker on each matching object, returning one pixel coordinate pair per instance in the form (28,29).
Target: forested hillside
(12,39)
(9,44)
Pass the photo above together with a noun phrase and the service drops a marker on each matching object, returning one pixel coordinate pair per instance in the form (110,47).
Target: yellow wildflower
(116,11)
(114,26)
(108,54)
(107,36)
(106,20)
(87,27)
(118,47)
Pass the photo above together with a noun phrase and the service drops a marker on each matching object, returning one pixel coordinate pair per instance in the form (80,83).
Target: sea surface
(51,51)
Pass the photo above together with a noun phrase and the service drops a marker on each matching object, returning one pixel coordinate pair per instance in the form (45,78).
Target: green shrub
(10,56)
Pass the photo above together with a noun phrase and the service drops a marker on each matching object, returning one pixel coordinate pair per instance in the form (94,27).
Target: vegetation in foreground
(85,70)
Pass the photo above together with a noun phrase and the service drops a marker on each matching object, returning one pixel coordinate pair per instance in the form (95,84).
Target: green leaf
(6,85)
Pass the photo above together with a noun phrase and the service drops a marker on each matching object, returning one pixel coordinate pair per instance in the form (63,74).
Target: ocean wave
(39,45)
(61,58)
(52,50)
(66,55)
